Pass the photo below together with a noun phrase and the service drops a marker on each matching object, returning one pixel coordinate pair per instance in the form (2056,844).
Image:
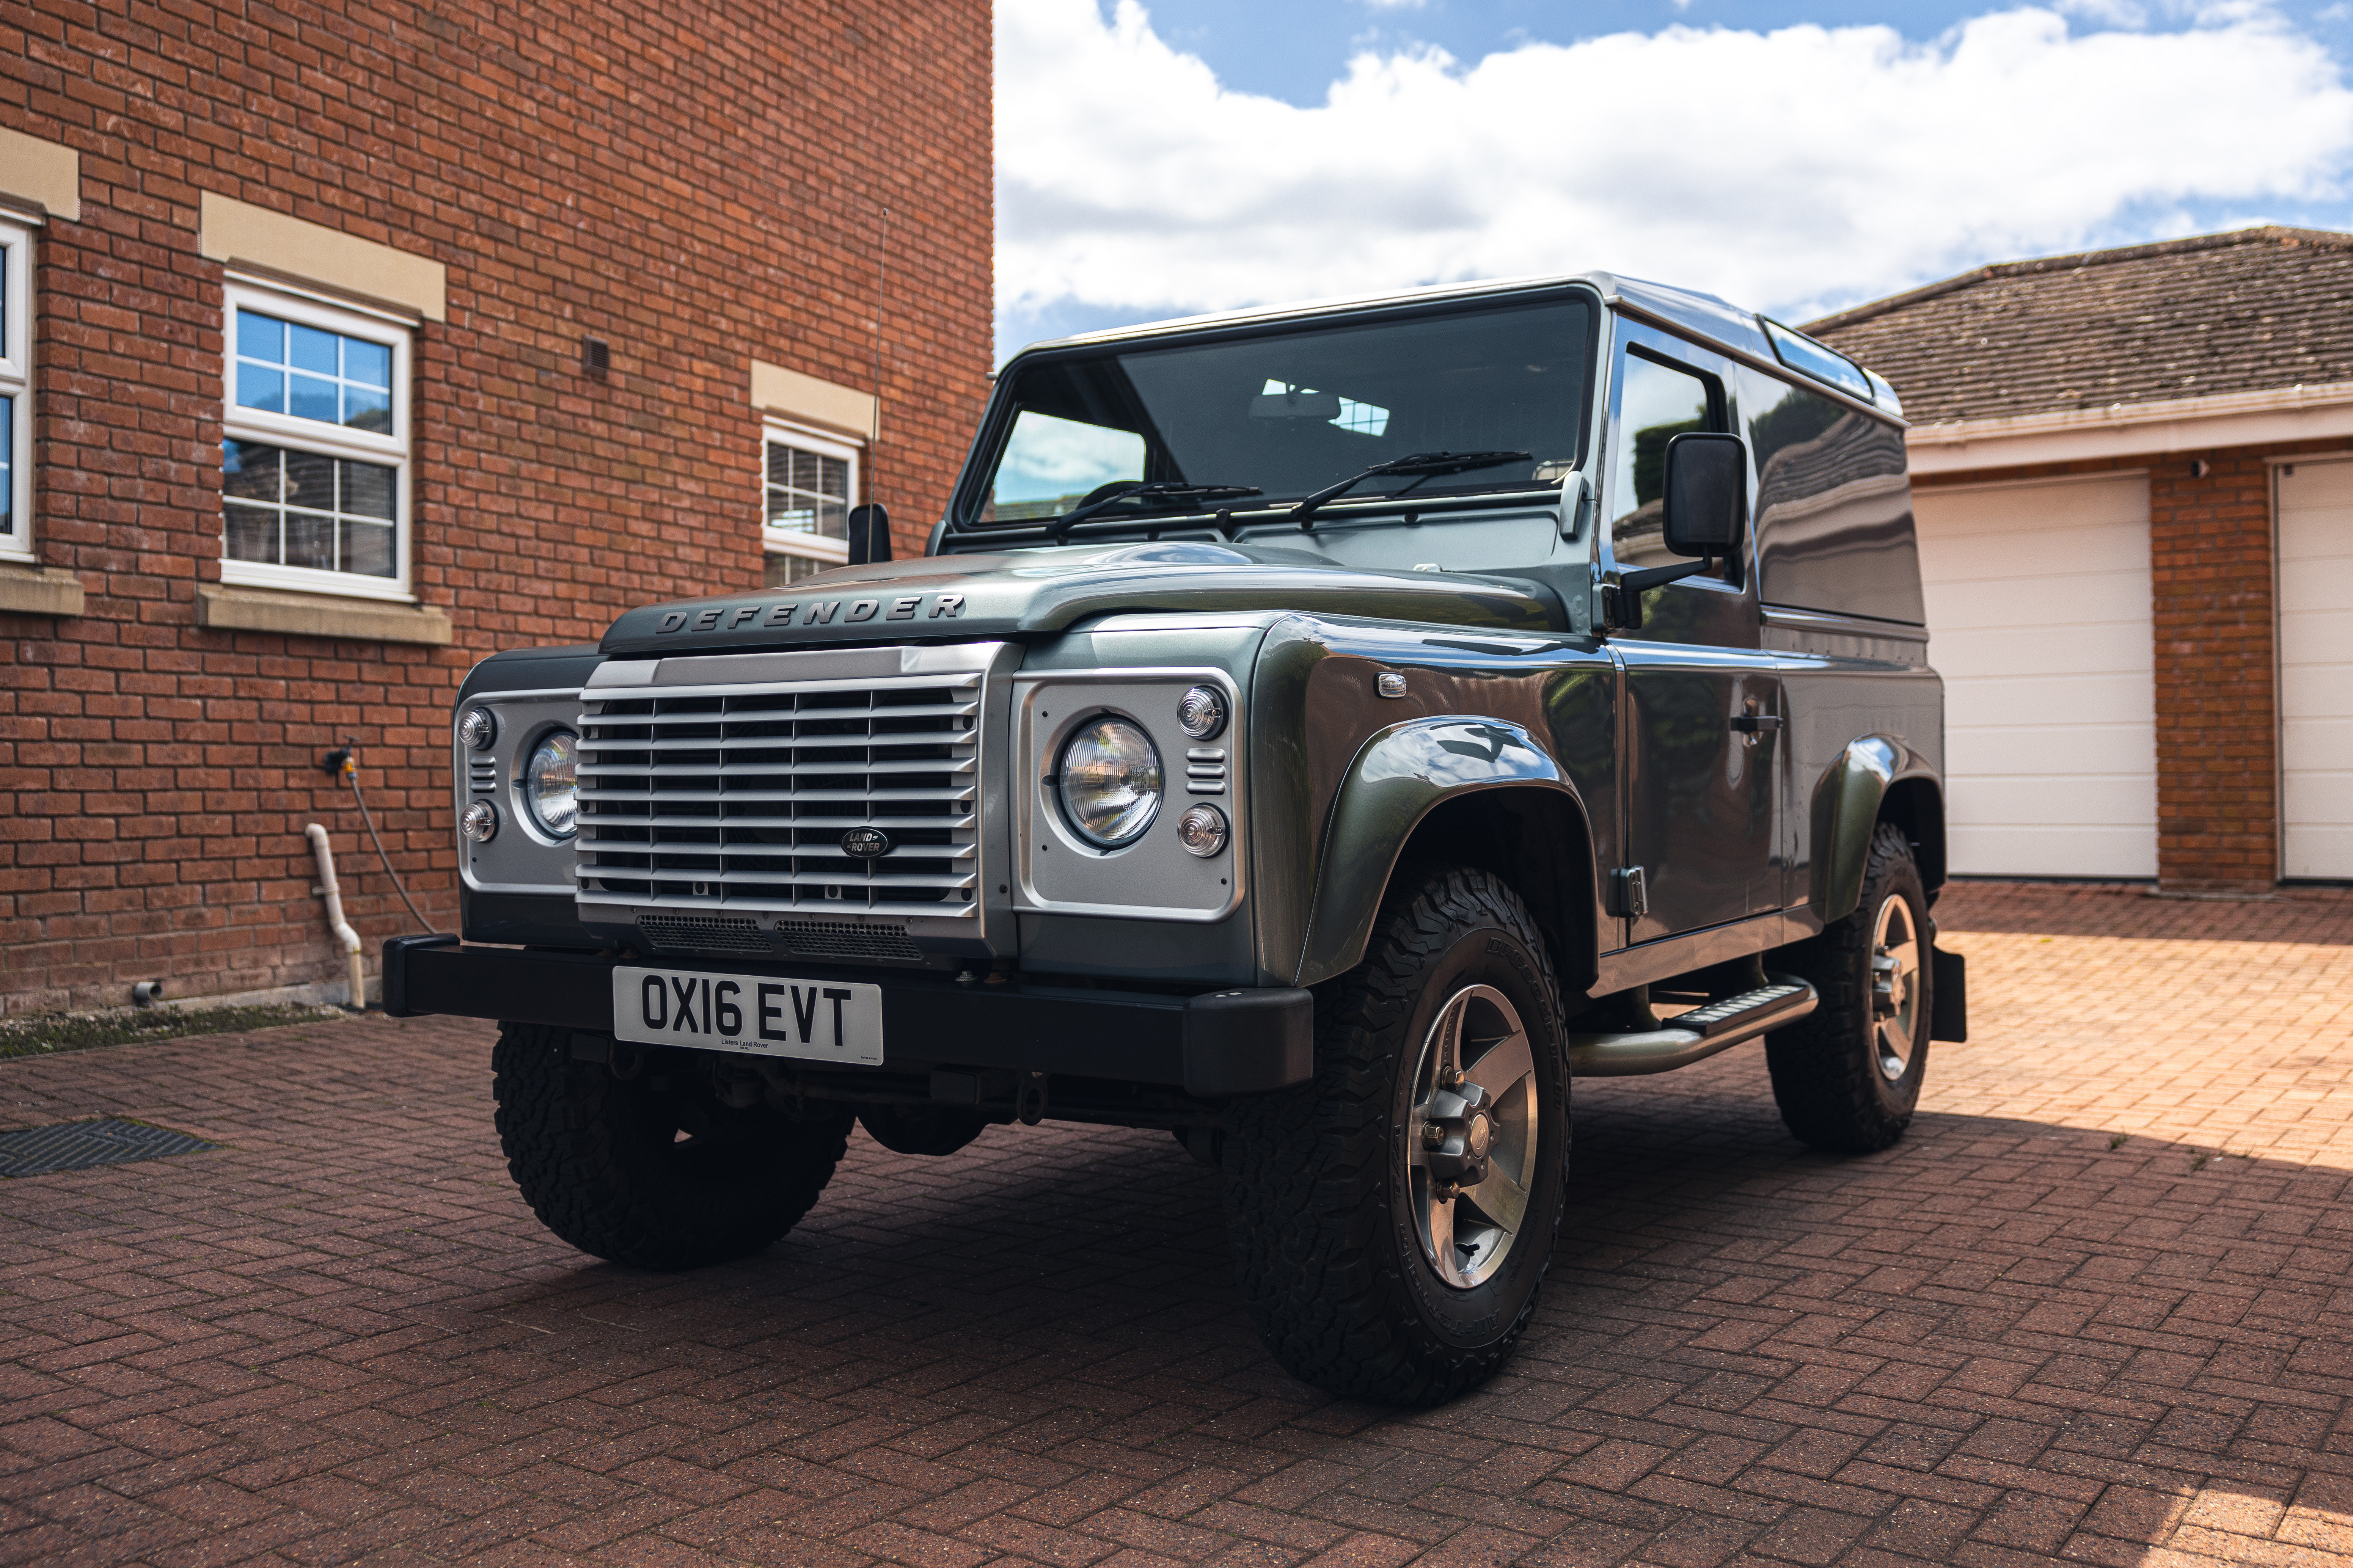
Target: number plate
(818,1020)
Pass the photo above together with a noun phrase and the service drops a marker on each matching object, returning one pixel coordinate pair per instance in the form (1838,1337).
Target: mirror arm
(1651,577)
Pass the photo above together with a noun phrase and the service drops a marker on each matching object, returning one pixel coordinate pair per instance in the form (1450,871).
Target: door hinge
(1630,899)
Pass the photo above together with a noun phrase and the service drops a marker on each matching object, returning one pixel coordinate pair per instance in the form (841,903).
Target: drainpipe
(335,921)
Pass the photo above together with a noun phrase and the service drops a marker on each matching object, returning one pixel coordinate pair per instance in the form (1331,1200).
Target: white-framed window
(812,483)
(15,391)
(314,451)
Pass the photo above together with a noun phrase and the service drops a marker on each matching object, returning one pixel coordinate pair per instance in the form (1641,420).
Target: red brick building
(343,347)
(2133,471)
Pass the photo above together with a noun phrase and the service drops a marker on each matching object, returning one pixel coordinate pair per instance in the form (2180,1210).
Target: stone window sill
(319,615)
(38,590)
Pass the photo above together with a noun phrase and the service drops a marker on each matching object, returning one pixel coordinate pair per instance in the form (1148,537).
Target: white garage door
(2315,654)
(2039,620)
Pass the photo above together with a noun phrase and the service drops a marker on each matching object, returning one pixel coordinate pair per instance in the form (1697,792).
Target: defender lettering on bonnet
(768,618)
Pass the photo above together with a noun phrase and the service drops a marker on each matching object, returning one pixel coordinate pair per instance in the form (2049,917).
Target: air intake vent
(838,939)
(704,933)
(717,798)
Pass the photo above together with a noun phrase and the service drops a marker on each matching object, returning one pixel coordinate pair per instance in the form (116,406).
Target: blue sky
(1195,155)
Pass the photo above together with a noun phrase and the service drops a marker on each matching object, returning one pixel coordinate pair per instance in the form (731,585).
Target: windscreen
(1291,413)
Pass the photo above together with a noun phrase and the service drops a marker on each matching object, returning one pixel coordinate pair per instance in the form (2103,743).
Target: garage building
(2133,475)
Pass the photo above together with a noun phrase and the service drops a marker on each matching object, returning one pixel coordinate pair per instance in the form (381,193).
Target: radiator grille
(839,939)
(705,933)
(734,798)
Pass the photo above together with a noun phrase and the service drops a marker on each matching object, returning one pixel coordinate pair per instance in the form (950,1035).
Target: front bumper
(1212,1046)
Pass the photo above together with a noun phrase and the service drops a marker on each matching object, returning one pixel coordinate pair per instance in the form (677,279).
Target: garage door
(2039,620)
(2315,654)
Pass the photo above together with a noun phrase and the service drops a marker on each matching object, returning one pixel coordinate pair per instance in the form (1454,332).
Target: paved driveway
(2094,1306)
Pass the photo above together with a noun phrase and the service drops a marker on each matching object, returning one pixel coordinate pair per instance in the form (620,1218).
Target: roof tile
(2250,311)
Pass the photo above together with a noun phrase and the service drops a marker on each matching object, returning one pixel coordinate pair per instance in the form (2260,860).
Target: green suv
(1322,733)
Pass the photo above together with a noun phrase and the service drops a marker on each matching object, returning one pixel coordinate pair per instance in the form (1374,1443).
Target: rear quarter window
(1833,507)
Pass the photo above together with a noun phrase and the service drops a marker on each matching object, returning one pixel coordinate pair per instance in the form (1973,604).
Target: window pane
(260,337)
(367,491)
(368,549)
(833,520)
(310,349)
(311,481)
(1656,404)
(369,364)
(310,541)
(258,386)
(365,408)
(1050,463)
(284,507)
(344,380)
(252,533)
(249,471)
(8,451)
(312,398)
(805,466)
(833,477)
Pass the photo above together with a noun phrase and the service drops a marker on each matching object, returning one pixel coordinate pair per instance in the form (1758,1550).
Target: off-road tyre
(600,1162)
(1323,1243)
(1826,1076)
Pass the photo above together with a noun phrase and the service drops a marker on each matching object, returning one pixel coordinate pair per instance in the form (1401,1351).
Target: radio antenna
(882,283)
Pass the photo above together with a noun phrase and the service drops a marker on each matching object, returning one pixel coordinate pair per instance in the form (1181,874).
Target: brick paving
(2094,1307)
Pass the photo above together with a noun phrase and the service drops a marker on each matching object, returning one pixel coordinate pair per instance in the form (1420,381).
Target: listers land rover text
(1322,733)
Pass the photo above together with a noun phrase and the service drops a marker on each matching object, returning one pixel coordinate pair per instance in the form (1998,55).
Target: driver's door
(1703,704)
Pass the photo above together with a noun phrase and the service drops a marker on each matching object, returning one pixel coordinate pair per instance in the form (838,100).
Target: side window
(314,459)
(1052,464)
(811,482)
(1655,403)
(15,391)
(1833,505)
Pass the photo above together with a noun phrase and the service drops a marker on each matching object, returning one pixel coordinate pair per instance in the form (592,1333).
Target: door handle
(1755,724)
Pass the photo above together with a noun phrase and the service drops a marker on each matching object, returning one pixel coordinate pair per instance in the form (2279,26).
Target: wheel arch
(1875,779)
(1473,792)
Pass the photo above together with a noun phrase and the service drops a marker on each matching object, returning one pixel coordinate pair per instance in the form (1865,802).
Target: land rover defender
(1324,734)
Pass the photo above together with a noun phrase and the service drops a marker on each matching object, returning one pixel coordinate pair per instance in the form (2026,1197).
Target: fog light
(1201,713)
(1202,831)
(480,822)
(478,727)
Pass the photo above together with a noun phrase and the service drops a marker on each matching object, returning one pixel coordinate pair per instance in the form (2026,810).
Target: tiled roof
(2248,311)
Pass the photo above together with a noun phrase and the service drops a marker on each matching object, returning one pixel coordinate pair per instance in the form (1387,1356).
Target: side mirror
(1707,494)
(870,535)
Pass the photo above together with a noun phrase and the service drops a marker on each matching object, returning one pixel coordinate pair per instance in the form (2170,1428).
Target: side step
(1695,1035)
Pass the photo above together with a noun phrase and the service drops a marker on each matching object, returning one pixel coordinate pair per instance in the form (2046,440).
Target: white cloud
(1790,169)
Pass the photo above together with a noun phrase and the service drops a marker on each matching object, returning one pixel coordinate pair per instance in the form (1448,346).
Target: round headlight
(551,783)
(1201,713)
(1202,831)
(480,822)
(1109,778)
(478,727)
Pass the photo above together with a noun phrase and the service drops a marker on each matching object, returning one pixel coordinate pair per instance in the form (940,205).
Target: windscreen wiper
(1428,465)
(1156,490)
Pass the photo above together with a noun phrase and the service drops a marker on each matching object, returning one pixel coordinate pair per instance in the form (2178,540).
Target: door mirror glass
(1708,492)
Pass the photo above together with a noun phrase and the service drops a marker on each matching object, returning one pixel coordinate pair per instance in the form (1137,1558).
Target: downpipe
(340,926)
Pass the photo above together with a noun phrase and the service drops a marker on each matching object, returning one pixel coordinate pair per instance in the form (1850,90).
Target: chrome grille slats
(734,798)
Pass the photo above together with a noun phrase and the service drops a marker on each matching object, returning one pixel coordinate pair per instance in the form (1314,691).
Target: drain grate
(79,1145)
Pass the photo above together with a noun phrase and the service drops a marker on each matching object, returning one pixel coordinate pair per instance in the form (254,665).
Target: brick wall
(2212,572)
(698,184)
